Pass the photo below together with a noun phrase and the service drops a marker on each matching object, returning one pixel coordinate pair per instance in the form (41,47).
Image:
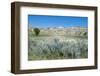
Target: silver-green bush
(57,48)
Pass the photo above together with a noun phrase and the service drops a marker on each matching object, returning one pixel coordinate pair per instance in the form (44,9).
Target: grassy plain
(53,44)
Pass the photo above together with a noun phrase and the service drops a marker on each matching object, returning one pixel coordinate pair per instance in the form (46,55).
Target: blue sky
(45,21)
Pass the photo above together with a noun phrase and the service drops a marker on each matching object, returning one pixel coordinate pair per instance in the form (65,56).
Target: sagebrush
(58,47)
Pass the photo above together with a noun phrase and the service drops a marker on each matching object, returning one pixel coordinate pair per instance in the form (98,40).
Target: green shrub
(37,31)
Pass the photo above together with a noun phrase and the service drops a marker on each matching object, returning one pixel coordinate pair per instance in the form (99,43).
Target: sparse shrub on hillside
(37,31)
(85,33)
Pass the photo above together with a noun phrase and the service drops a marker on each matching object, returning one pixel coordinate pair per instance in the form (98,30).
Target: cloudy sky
(43,21)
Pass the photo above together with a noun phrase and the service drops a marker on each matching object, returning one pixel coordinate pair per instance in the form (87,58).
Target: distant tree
(37,31)
(85,33)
